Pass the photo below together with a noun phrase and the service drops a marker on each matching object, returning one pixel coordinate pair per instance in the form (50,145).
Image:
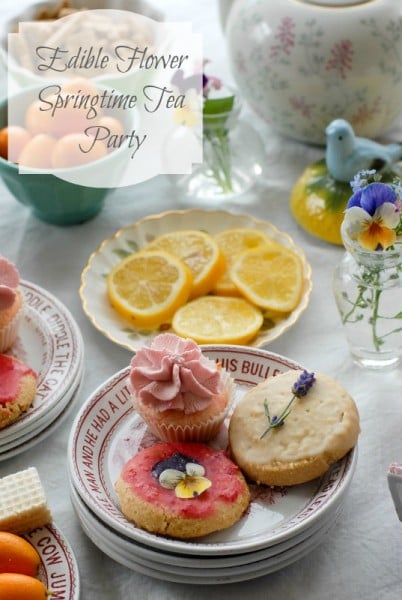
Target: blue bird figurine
(347,154)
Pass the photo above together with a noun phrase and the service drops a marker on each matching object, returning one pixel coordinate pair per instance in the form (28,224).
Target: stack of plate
(49,342)
(280,526)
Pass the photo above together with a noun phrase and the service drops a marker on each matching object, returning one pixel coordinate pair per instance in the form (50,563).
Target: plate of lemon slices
(214,276)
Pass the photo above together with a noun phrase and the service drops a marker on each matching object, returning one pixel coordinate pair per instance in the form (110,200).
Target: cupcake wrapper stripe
(8,334)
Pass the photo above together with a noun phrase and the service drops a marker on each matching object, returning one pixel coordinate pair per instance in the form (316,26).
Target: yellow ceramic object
(317,202)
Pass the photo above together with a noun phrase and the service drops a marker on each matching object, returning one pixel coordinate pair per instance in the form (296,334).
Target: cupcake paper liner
(201,431)
(8,334)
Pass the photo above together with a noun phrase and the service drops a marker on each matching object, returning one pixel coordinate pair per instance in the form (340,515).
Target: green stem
(219,158)
(372,279)
(376,339)
(397,330)
(355,304)
(280,420)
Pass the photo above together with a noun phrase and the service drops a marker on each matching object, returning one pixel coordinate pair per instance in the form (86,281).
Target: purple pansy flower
(372,197)
(372,216)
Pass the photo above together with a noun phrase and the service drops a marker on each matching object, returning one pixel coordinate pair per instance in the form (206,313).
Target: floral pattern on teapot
(299,70)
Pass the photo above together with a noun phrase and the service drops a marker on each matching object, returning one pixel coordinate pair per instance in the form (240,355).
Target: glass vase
(233,158)
(368,293)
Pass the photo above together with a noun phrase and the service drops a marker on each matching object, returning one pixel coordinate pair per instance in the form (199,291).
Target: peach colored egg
(79,85)
(70,118)
(77,94)
(37,120)
(37,152)
(77,149)
(4,142)
(114,126)
(18,137)
(60,114)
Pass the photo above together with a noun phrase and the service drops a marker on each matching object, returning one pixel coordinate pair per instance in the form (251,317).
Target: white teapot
(302,63)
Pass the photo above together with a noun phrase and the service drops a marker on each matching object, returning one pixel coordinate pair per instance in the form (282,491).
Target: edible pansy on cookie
(183,474)
(182,490)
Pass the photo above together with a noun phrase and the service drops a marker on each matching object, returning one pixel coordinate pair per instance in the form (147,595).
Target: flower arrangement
(217,112)
(233,152)
(373,214)
(299,389)
(372,231)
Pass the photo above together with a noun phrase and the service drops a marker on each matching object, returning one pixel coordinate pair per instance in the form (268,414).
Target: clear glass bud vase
(233,158)
(368,293)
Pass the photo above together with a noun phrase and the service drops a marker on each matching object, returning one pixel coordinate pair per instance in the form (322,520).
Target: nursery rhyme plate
(108,431)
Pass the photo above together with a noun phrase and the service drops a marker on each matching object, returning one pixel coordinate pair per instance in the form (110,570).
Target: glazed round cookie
(320,428)
(182,490)
(17,389)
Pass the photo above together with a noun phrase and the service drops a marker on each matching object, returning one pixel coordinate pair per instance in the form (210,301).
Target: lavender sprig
(299,389)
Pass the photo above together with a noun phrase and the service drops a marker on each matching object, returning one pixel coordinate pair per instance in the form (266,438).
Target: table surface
(361,556)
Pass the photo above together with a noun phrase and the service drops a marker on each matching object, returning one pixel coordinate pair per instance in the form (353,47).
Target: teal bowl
(50,198)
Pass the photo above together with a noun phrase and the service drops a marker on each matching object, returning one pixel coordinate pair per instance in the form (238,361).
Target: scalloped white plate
(108,431)
(135,236)
(58,569)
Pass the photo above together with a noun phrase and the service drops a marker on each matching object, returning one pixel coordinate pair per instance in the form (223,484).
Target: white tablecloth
(361,557)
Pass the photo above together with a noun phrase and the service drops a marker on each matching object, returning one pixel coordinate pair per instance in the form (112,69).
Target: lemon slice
(218,320)
(232,242)
(269,277)
(148,287)
(199,251)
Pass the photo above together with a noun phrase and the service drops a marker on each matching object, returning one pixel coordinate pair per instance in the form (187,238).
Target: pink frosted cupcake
(181,394)
(11,302)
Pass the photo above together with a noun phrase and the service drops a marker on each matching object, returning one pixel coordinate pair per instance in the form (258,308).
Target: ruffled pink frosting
(9,281)
(172,373)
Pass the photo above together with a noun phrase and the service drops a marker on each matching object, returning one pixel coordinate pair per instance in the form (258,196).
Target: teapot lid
(336,2)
